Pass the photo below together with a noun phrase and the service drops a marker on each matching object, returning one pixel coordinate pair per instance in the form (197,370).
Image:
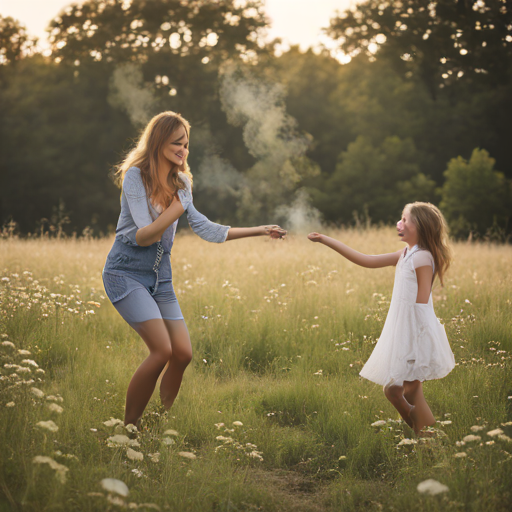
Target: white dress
(413,344)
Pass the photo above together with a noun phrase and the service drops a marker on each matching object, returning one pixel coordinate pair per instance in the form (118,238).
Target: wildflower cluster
(19,376)
(236,447)
(24,293)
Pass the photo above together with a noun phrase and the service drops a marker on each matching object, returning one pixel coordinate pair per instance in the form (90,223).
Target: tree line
(421,112)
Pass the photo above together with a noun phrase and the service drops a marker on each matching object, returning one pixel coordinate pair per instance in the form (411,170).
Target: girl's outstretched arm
(364,260)
(273,231)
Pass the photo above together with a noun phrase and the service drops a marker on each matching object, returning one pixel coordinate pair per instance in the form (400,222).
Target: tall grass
(280,331)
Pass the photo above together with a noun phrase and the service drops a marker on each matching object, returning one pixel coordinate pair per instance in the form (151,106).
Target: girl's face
(407,230)
(175,150)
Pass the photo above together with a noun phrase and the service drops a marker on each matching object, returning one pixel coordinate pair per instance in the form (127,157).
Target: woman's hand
(274,231)
(316,237)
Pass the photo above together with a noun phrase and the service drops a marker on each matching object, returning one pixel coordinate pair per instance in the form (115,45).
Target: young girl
(156,190)
(413,346)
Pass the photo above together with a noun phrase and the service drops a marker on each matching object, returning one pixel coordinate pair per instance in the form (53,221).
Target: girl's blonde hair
(432,234)
(147,153)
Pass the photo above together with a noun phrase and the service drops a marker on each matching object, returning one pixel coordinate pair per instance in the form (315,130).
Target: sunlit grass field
(280,330)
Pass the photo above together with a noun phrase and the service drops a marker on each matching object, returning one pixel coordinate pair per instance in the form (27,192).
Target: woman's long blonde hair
(146,154)
(432,234)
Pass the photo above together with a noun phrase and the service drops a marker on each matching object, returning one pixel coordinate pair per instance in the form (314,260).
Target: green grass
(268,323)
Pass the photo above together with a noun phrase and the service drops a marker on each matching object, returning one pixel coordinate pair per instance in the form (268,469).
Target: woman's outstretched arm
(273,231)
(364,260)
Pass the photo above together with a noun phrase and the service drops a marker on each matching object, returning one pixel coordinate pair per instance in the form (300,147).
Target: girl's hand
(315,237)
(274,231)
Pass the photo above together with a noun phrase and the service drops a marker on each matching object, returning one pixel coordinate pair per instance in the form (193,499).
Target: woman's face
(407,230)
(175,150)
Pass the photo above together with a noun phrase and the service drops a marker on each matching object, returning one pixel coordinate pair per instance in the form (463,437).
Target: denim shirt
(138,212)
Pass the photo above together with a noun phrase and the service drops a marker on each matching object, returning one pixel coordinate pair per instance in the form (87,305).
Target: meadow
(272,414)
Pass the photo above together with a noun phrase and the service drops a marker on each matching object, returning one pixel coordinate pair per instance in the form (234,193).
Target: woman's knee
(163,354)
(182,357)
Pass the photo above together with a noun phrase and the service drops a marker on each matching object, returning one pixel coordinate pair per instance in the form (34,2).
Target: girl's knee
(392,392)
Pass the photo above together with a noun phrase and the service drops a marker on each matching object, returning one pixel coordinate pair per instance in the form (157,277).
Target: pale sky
(296,21)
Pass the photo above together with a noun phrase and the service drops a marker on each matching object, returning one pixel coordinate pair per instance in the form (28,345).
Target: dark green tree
(440,42)
(374,180)
(475,197)
(15,43)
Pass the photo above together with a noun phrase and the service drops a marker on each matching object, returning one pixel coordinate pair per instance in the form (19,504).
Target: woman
(157,190)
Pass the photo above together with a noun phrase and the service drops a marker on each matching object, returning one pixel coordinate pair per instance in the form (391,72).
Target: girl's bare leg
(155,335)
(421,415)
(395,394)
(178,362)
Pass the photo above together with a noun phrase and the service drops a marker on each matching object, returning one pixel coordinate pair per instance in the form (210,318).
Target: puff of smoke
(300,216)
(268,131)
(213,171)
(128,92)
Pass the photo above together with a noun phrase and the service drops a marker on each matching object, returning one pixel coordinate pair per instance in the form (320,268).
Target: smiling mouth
(179,155)
(400,233)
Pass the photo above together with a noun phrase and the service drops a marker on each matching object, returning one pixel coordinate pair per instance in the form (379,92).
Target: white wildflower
(187,455)
(48,425)
(24,352)
(219,425)
(460,455)
(10,404)
(444,423)
(55,408)
(30,362)
(155,457)
(476,428)
(8,344)
(121,440)
(55,398)
(256,455)
(495,432)
(406,441)
(238,424)
(131,428)
(489,443)
(171,432)
(37,392)
(432,487)
(115,486)
(471,438)
(379,423)
(60,470)
(168,441)
(134,455)
(503,437)
(112,422)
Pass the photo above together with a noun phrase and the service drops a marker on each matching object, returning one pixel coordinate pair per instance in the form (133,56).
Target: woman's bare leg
(178,362)
(421,415)
(395,394)
(155,335)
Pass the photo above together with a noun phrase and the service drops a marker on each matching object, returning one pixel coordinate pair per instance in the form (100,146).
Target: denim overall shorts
(129,267)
